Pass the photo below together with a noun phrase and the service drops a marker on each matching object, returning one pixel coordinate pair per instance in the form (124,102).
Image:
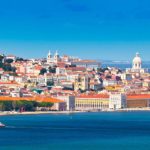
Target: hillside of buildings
(70,83)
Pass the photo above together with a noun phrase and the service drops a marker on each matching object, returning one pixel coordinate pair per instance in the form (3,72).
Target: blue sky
(97,29)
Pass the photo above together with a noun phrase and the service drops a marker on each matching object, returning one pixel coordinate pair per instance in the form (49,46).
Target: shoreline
(37,113)
(5,113)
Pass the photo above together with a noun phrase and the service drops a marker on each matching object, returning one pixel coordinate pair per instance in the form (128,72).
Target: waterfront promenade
(70,112)
(36,112)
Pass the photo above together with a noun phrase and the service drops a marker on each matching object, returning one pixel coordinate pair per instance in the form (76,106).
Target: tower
(49,58)
(56,57)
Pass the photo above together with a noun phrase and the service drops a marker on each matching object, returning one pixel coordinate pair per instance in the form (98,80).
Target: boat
(2,125)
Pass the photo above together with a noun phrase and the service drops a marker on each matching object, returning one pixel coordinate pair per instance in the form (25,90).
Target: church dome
(137,59)
(137,62)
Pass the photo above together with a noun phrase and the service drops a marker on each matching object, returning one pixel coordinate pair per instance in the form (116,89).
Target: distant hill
(119,62)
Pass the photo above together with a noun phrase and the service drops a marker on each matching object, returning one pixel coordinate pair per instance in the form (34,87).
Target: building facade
(96,102)
(138,101)
(117,101)
(69,100)
(136,65)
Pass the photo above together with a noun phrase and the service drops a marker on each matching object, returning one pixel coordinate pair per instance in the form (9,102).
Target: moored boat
(2,125)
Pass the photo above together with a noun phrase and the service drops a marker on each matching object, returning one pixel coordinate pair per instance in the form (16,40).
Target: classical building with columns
(137,62)
(137,65)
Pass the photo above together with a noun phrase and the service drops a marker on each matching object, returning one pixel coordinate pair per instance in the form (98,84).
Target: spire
(49,53)
(56,54)
(49,57)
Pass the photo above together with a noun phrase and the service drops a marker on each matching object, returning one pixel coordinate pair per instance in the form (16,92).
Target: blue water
(83,131)
(124,66)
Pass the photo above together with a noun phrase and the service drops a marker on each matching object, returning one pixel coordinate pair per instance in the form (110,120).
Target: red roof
(94,96)
(41,99)
(138,96)
(8,83)
(76,68)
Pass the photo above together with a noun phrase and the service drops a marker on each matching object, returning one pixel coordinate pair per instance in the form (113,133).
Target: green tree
(27,105)
(45,104)
(19,59)
(50,83)
(52,69)
(7,106)
(1,64)
(43,71)
(7,67)
(19,105)
(9,61)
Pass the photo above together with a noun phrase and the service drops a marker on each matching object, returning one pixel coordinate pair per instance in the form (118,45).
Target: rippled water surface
(83,131)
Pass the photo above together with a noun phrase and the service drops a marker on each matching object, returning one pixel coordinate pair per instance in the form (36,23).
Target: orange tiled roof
(138,96)
(94,96)
(40,99)
(8,83)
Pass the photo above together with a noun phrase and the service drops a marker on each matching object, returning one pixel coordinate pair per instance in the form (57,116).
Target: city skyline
(61,54)
(96,30)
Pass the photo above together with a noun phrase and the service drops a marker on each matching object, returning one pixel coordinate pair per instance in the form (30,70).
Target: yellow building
(95,102)
(113,88)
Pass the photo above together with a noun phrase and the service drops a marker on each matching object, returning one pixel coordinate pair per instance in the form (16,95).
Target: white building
(5,77)
(49,58)
(60,70)
(137,65)
(15,94)
(137,62)
(87,64)
(19,79)
(53,59)
(56,57)
(117,101)
(70,102)
(11,57)
(110,82)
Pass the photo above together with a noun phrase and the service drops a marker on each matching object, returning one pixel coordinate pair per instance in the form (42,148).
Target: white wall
(117,101)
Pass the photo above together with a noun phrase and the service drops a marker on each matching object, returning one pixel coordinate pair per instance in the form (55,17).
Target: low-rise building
(117,101)
(81,83)
(67,84)
(87,64)
(109,82)
(60,70)
(11,57)
(96,102)
(69,100)
(61,106)
(138,100)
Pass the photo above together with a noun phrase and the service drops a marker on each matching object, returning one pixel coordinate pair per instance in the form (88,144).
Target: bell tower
(49,58)
(56,57)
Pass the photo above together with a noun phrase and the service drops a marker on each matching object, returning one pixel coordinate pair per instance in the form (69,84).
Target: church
(53,59)
(137,65)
